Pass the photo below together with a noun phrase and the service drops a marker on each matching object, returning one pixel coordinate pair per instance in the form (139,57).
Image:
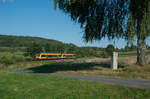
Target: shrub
(110,49)
(7,61)
(105,54)
(11,60)
(18,58)
(28,58)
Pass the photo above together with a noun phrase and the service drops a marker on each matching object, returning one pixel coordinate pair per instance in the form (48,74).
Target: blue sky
(38,18)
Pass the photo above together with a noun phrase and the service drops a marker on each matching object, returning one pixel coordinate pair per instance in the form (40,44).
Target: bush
(105,54)
(110,49)
(18,58)
(13,59)
(7,61)
(28,58)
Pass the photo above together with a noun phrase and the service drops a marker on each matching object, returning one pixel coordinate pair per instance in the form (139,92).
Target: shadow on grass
(51,68)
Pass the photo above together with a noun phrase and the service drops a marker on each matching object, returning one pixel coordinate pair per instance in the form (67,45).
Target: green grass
(131,53)
(25,86)
(12,49)
(9,54)
(127,54)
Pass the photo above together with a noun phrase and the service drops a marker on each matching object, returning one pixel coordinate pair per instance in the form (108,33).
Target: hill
(24,41)
(21,43)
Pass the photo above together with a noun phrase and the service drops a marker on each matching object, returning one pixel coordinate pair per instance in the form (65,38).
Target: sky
(39,19)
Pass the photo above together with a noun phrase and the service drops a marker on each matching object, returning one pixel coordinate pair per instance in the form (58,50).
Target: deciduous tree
(111,18)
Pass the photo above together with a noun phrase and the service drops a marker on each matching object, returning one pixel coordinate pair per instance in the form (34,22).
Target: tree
(111,18)
(60,48)
(109,49)
(48,47)
(70,48)
(139,25)
(33,49)
(130,47)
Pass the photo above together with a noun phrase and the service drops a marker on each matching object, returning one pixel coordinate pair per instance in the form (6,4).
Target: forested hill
(24,41)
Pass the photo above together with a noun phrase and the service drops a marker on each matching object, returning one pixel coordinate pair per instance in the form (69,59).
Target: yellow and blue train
(49,56)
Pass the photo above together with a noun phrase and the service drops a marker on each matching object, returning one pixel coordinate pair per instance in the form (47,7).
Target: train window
(43,56)
(52,55)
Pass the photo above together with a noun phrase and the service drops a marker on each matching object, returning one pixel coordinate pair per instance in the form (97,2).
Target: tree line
(35,48)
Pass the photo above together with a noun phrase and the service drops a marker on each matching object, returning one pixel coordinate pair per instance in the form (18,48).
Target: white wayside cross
(114,61)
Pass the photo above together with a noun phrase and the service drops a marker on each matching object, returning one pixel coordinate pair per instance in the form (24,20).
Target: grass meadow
(25,86)
(131,53)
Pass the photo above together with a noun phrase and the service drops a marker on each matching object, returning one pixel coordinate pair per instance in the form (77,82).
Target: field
(24,86)
(84,66)
(131,53)
(27,86)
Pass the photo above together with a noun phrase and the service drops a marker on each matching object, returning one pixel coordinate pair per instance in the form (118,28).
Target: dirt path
(118,81)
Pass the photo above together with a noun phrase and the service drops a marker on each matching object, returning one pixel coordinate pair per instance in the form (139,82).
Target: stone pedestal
(114,61)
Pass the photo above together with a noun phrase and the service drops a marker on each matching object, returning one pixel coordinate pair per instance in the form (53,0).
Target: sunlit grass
(131,53)
(25,86)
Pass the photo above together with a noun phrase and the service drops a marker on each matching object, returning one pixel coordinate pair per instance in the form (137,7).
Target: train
(54,56)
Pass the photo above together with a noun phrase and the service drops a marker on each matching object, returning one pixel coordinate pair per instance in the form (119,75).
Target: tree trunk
(141,52)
